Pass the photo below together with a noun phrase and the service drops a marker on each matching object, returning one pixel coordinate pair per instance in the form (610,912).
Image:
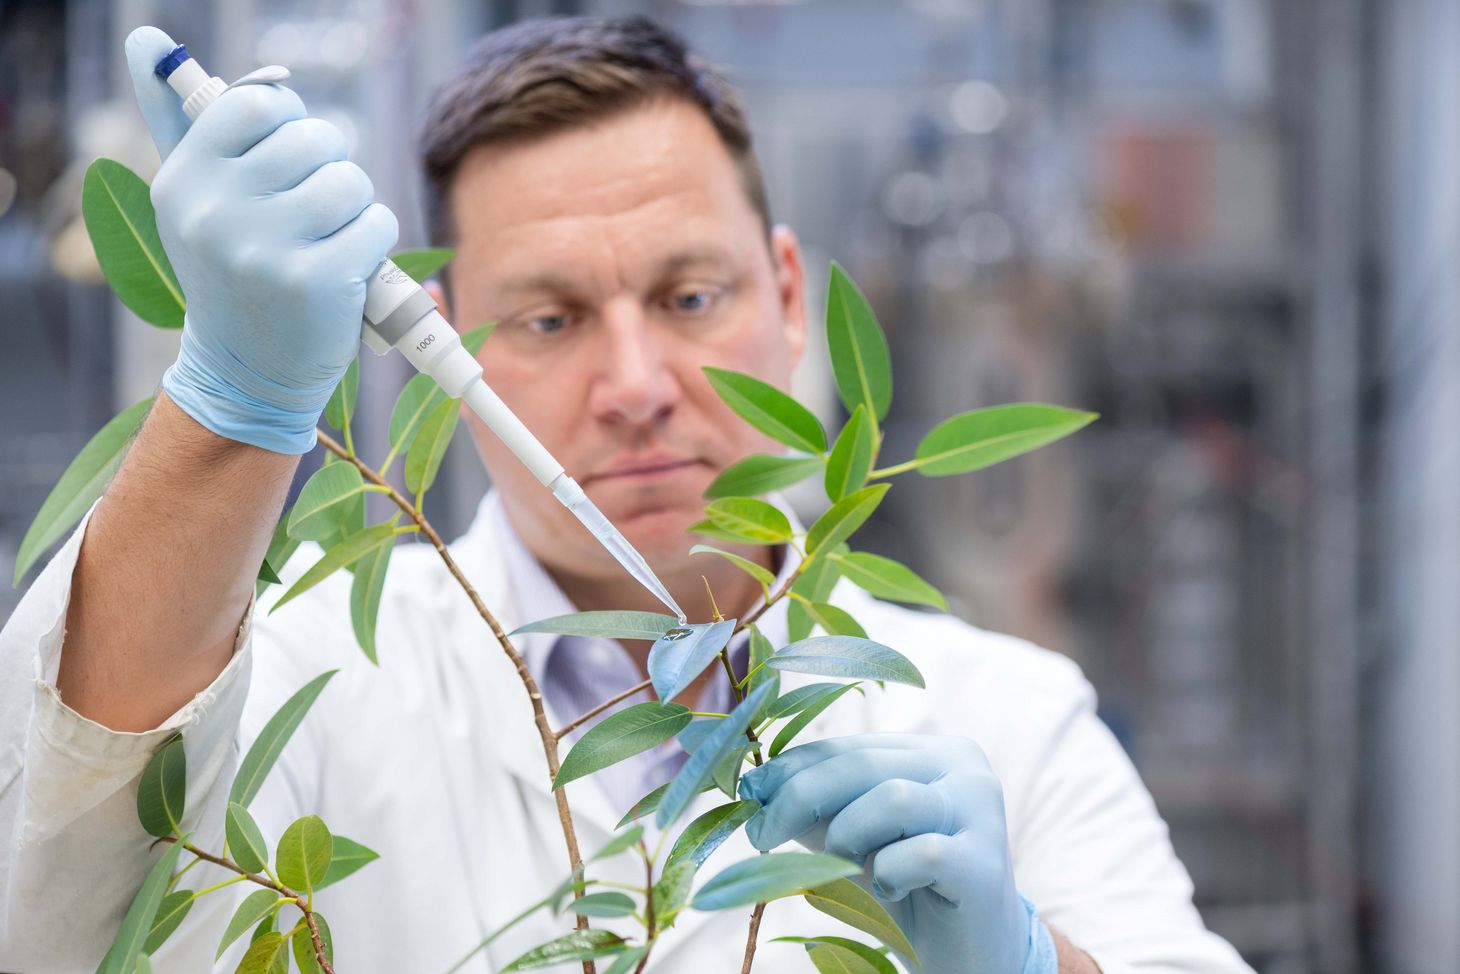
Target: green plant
(330,510)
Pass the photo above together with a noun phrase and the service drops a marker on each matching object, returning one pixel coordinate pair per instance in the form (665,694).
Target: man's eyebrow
(536,282)
(680,260)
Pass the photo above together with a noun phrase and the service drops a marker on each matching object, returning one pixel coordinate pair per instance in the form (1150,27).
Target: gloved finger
(330,197)
(824,789)
(762,782)
(160,106)
(291,152)
(241,118)
(358,247)
(896,809)
(929,861)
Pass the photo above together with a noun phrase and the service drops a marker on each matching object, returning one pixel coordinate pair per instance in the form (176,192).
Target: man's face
(617,260)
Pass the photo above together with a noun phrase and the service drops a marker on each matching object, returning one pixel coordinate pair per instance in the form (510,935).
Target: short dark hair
(540,77)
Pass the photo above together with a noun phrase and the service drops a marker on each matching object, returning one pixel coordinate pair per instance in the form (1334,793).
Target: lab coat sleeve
(72,853)
(1095,855)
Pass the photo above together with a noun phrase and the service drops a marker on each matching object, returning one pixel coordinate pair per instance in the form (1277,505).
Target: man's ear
(790,288)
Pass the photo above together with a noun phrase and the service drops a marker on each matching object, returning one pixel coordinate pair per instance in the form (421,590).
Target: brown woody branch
(300,900)
(534,695)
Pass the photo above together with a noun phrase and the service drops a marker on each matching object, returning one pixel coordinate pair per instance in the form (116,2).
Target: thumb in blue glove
(160,106)
(272,234)
(925,815)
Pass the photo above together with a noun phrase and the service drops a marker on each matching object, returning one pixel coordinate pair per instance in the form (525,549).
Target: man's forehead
(662,158)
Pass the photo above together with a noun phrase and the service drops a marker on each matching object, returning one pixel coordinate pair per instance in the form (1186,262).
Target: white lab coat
(432,760)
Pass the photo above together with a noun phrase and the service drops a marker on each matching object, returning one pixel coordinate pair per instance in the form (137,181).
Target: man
(601,192)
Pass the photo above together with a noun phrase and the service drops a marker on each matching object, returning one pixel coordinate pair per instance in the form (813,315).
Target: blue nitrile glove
(929,814)
(273,235)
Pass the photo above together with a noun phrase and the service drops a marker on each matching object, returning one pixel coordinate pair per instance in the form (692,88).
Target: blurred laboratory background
(1229,226)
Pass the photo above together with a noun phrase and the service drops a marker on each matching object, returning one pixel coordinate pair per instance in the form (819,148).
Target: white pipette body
(400,314)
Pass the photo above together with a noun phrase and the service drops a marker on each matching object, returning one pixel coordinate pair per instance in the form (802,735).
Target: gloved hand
(273,235)
(926,815)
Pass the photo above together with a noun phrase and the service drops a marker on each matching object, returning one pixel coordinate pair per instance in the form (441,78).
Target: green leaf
(983,437)
(727,773)
(346,856)
(267,576)
(851,457)
(749,519)
(847,657)
(818,579)
(170,913)
(245,841)
(701,764)
(304,853)
(834,958)
(261,954)
(750,568)
(888,579)
(420,396)
(303,946)
(341,406)
(763,472)
(427,449)
(144,964)
(644,805)
(617,844)
(365,592)
(281,549)
(805,716)
(876,958)
(705,834)
(137,924)
(603,905)
(797,700)
(606,624)
(769,410)
(578,945)
(621,735)
(681,655)
(270,743)
(346,552)
(473,340)
(117,207)
(82,483)
(844,517)
(162,792)
(860,362)
(422,262)
(836,621)
(760,651)
(770,876)
(255,906)
(320,509)
(671,892)
(852,905)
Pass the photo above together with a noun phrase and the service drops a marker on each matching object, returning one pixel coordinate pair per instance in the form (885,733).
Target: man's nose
(635,384)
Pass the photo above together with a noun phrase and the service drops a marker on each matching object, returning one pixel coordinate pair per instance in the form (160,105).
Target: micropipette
(399,313)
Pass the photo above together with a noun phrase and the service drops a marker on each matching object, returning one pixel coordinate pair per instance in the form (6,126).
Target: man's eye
(548,324)
(693,302)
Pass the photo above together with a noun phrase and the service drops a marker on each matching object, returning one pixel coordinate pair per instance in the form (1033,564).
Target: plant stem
(755,916)
(583,718)
(280,888)
(534,694)
(894,469)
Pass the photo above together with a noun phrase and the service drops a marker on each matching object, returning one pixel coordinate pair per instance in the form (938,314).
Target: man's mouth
(642,468)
